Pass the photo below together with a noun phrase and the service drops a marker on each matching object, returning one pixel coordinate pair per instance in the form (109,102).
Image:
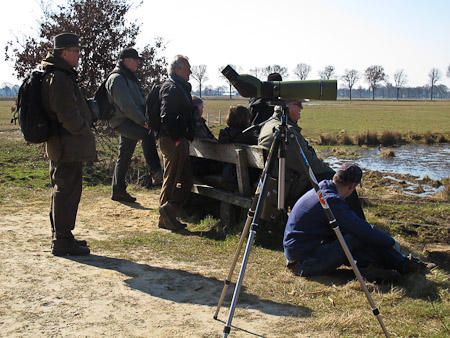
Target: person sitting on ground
(203,166)
(238,119)
(310,244)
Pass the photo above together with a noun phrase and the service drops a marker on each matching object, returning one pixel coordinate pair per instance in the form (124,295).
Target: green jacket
(64,102)
(129,101)
(296,178)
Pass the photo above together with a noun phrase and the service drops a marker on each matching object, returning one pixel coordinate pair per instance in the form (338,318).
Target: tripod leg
(341,239)
(236,256)
(254,214)
(237,290)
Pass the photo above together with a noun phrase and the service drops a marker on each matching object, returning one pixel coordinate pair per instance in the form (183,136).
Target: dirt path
(105,296)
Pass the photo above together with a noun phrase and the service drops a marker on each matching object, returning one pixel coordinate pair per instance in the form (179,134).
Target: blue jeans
(329,256)
(130,134)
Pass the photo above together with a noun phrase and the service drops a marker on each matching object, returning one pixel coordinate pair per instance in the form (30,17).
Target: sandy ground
(106,296)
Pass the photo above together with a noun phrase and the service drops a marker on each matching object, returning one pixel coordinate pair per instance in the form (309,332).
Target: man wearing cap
(297,181)
(128,120)
(310,244)
(71,144)
(177,129)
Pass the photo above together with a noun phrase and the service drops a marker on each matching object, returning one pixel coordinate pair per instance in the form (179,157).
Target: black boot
(68,247)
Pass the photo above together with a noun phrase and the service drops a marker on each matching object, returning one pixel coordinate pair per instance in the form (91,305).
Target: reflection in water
(414,159)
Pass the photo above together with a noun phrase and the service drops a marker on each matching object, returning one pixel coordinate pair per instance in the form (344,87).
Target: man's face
(72,56)
(294,111)
(185,71)
(131,63)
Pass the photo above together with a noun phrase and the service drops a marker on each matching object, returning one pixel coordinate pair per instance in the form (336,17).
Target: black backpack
(153,108)
(105,108)
(35,125)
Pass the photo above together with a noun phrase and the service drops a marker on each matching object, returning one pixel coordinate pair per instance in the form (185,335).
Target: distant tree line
(9,91)
(374,76)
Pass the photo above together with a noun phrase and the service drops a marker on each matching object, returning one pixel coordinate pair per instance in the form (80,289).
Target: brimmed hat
(129,53)
(350,173)
(66,40)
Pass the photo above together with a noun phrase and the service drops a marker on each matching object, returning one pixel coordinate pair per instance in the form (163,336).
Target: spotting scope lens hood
(250,86)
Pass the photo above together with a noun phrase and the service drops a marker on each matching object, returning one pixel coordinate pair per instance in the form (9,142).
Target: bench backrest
(226,152)
(242,155)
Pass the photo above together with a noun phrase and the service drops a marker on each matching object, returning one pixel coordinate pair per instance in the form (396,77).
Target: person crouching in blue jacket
(310,244)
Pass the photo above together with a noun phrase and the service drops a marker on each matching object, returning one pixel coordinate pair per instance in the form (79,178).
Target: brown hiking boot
(415,265)
(123,196)
(373,273)
(157,177)
(168,215)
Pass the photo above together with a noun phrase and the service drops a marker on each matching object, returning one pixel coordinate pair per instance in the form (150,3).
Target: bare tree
(448,71)
(435,76)
(302,71)
(236,68)
(351,77)
(400,79)
(102,29)
(373,75)
(257,72)
(283,71)
(327,73)
(199,74)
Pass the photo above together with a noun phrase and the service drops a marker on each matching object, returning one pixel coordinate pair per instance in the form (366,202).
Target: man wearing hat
(310,244)
(71,144)
(128,120)
(297,181)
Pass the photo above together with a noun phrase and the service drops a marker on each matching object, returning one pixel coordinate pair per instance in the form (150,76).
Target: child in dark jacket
(238,119)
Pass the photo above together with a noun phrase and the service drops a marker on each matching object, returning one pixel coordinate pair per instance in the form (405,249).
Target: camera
(250,86)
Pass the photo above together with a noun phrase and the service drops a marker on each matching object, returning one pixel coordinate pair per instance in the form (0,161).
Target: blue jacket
(308,225)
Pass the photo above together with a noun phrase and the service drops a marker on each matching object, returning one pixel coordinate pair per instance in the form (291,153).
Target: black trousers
(66,179)
(130,134)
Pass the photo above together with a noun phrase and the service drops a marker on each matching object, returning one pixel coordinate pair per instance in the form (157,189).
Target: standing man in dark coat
(71,144)
(177,129)
(128,120)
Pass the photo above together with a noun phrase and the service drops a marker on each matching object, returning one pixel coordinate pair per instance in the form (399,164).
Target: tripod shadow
(184,287)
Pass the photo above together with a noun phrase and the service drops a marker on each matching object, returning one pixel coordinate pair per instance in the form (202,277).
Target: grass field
(404,117)
(418,306)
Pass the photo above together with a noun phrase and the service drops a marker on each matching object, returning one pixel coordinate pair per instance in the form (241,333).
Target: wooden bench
(213,186)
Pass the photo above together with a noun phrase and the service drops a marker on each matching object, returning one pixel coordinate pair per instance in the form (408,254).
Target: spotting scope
(250,86)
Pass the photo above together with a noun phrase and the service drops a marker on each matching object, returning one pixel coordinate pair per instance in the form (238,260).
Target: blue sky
(409,35)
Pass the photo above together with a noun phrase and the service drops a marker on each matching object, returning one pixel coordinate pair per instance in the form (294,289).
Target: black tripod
(279,143)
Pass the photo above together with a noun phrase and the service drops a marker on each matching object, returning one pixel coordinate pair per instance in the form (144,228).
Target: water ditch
(417,160)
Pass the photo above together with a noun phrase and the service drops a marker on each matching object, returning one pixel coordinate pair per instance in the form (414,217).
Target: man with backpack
(177,129)
(128,120)
(70,145)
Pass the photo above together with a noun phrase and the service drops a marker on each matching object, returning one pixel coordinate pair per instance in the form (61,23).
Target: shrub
(429,138)
(327,139)
(345,139)
(367,138)
(442,139)
(389,138)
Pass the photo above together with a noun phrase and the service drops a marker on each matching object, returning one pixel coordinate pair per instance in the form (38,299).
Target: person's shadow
(186,287)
